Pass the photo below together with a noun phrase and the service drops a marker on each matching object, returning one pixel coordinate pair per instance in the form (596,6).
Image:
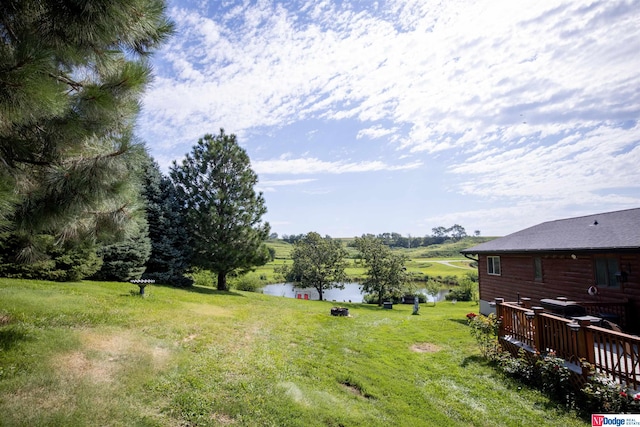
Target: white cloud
(301,166)
(534,101)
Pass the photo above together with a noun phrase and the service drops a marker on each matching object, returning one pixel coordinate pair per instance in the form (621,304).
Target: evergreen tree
(71,75)
(169,258)
(126,259)
(59,262)
(222,211)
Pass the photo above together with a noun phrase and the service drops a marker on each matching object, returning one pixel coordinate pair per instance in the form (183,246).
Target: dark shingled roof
(611,230)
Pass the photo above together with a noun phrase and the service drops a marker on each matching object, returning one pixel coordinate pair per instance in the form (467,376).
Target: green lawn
(87,354)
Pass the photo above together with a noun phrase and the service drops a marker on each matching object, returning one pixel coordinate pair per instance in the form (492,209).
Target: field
(432,261)
(95,353)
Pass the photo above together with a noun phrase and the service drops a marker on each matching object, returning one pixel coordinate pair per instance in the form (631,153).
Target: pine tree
(71,75)
(223,212)
(126,259)
(169,258)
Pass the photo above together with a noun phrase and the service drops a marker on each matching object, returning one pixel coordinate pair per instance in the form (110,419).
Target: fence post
(586,349)
(525,302)
(538,329)
(500,316)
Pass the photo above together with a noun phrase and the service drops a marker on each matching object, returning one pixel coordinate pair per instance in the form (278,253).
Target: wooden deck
(611,353)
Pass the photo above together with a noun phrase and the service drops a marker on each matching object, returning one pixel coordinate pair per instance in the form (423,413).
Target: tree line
(80,197)
(396,240)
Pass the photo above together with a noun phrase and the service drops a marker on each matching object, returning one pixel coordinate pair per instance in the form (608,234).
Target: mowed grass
(93,353)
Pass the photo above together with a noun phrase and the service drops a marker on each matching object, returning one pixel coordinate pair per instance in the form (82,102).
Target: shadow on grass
(10,336)
(202,290)
(461,321)
(476,359)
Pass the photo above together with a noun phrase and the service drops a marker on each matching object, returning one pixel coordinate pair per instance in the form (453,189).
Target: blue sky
(404,115)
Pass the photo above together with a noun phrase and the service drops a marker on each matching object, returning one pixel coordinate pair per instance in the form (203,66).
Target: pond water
(350,293)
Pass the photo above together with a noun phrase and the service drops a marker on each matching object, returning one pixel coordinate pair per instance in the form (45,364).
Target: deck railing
(611,353)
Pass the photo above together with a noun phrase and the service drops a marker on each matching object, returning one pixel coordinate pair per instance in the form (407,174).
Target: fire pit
(340,311)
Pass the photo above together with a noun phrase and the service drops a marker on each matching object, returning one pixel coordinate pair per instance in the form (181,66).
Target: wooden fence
(611,353)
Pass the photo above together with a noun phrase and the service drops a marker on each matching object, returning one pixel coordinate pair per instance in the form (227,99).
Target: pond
(350,293)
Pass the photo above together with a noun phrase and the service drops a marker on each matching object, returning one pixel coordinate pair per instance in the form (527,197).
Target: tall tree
(317,263)
(169,258)
(386,272)
(223,213)
(71,75)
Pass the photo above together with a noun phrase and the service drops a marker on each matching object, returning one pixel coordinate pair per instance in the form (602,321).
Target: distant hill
(447,249)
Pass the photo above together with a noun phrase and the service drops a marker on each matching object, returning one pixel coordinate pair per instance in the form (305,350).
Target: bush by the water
(467,290)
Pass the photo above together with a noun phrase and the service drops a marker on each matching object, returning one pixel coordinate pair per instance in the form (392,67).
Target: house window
(493,265)
(606,269)
(537,269)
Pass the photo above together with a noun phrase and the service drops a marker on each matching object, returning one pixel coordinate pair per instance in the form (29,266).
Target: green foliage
(317,262)
(386,272)
(485,331)
(248,283)
(169,258)
(72,78)
(466,288)
(200,277)
(56,262)
(125,260)
(223,213)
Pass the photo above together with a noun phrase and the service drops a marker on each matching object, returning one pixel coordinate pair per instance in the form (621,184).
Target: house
(592,260)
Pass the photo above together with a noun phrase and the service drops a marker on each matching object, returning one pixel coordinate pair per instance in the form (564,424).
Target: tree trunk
(380,295)
(320,292)
(222,282)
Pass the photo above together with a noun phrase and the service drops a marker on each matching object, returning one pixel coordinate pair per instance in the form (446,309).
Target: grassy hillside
(87,354)
(433,261)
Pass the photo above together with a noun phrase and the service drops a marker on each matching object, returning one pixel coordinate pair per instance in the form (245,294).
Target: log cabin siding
(562,275)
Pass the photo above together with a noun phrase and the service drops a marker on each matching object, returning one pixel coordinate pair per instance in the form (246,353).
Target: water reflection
(350,293)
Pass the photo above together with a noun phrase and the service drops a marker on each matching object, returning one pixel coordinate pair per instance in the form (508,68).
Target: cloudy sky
(404,115)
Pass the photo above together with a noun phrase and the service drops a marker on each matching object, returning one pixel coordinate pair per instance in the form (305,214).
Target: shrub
(465,291)
(485,330)
(247,283)
(201,277)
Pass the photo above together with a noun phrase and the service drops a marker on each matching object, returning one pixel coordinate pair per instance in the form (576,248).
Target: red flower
(623,394)
(471,316)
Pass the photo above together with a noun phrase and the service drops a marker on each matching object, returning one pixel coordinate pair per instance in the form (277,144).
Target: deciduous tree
(318,263)
(223,213)
(386,272)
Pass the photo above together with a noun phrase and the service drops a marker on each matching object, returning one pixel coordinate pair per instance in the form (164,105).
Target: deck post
(525,302)
(538,327)
(585,343)
(500,316)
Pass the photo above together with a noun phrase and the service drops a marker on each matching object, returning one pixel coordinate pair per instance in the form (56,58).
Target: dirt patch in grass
(223,419)
(103,355)
(5,319)
(76,365)
(425,347)
(355,389)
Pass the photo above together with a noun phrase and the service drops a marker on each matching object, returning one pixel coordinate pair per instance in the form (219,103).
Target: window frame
(538,273)
(605,271)
(492,264)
